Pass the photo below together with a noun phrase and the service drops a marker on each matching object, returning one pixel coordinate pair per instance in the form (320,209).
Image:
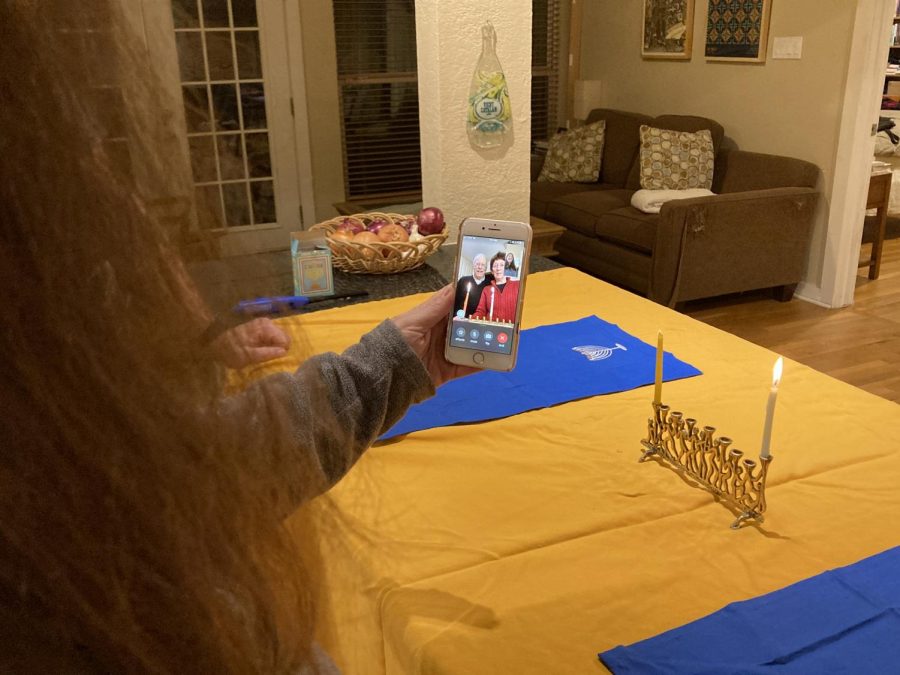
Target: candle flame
(776,372)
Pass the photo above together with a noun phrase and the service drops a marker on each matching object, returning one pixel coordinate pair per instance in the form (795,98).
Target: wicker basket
(379,257)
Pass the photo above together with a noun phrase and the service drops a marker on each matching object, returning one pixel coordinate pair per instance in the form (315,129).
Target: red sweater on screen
(505,298)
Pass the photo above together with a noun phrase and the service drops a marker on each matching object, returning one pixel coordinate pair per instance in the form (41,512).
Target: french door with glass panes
(246,146)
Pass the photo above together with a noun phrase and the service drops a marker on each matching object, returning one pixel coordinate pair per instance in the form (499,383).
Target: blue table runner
(846,620)
(556,363)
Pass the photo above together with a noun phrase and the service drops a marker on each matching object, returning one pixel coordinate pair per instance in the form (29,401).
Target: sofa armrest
(731,242)
(742,171)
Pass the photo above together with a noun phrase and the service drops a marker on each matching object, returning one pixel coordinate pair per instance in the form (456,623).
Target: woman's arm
(301,432)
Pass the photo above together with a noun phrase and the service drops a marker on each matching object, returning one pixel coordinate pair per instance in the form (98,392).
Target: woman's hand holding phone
(425,330)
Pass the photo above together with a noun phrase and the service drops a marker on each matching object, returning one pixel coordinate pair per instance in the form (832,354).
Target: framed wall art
(667,27)
(737,30)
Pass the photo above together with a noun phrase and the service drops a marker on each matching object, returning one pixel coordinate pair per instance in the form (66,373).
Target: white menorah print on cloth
(596,353)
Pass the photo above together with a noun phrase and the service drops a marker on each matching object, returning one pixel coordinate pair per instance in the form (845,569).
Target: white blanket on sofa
(651,201)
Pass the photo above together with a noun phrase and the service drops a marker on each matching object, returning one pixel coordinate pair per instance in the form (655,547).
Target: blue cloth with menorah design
(556,363)
(846,620)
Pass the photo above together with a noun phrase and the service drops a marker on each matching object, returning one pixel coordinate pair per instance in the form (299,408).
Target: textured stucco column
(461,179)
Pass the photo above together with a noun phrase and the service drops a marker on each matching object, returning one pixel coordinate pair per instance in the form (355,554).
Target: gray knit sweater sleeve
(304,430)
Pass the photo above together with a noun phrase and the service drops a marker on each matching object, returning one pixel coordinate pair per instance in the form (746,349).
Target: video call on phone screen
(487,294)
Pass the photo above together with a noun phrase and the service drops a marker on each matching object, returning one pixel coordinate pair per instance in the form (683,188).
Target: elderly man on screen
(498,302)
(469,288)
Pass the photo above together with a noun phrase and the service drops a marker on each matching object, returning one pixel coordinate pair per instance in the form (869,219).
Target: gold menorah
(696,452)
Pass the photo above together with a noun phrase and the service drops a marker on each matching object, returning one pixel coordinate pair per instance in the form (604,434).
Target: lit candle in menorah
(696,451)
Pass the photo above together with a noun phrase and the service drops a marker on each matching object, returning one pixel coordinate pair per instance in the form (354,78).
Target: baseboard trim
(812,294)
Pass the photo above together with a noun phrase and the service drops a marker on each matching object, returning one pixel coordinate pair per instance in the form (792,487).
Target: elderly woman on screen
(499,301)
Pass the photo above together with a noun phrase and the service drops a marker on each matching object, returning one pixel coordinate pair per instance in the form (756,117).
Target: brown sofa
(754,233)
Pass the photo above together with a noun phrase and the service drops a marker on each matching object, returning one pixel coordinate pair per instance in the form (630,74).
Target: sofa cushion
(629,227)
(676,160)
(675,123)
(621,144)
(543,193)
(691,123)
(581,210)
(619,265)
(574,156)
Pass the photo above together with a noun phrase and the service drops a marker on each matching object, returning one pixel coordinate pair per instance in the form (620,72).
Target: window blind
(376,60)
(544,68)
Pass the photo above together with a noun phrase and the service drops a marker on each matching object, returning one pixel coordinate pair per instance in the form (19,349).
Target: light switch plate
(787,47)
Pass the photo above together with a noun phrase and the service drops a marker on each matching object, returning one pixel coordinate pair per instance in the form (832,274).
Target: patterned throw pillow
(676,160)
(574,156)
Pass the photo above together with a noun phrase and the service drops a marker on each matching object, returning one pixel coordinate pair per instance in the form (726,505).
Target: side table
(543,242)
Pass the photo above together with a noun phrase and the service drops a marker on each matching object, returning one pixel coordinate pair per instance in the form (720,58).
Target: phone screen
(487,294)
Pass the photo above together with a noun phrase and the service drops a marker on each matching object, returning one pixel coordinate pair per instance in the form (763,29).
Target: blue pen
(273,305)
(284,303)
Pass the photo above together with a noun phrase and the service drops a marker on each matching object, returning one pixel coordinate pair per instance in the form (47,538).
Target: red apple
(430,220)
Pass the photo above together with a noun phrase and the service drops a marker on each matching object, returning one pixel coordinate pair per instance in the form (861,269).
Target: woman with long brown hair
(140,508)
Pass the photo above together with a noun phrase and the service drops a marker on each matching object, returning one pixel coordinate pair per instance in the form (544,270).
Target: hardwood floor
(858,344)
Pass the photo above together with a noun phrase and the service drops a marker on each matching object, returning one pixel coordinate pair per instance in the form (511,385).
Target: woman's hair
(500,255)
(132,535)
(510,260)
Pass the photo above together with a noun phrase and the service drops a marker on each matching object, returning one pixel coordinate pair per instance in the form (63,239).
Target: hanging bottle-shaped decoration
(489,115)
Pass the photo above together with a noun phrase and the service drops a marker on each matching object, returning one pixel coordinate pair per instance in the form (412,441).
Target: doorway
(236,68)
(862,96)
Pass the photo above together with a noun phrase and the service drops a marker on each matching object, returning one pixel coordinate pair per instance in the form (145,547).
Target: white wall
(457,177)
(320,61)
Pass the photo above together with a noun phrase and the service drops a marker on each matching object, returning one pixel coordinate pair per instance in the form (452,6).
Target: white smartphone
(491,266)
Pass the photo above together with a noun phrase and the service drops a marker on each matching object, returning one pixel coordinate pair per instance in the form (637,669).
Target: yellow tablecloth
(528,544)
